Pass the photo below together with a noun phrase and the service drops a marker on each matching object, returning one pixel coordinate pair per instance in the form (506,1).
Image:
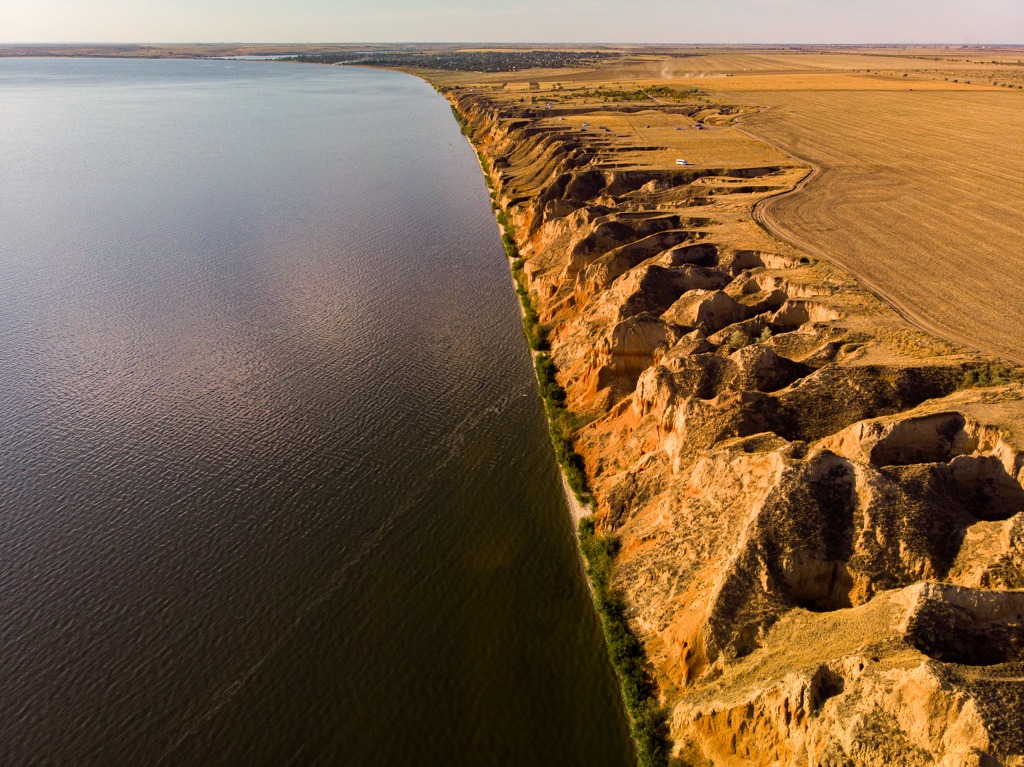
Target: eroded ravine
(914,195)
(808,493)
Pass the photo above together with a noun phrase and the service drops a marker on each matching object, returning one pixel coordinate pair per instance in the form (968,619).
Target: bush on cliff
(989,374)
(560,426)
(649,721)
(510,246)
(467,129)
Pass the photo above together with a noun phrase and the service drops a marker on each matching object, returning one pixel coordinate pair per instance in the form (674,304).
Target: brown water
(274,481)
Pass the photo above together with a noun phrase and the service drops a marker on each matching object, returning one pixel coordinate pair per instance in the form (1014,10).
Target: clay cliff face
(821,510)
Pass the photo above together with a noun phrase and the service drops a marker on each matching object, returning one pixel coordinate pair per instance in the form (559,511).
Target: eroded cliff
(820,509)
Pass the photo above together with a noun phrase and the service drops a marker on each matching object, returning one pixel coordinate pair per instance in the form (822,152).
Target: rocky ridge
(820,509)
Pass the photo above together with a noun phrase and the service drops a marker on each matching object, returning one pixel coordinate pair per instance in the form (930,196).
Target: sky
(639,21)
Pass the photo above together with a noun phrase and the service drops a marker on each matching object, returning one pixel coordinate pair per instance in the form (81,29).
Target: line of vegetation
(486,168)
(640,94)
(649,721)
(562,423)
(739,339)
(989,374)
(467,129)
(459,61)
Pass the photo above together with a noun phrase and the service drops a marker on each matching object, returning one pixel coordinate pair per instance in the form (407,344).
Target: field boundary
(761,213)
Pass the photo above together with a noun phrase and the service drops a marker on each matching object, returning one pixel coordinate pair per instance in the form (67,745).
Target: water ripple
(274,474)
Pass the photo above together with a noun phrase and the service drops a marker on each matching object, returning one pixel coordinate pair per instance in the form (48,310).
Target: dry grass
(650,139)
(816,81)
(919,195)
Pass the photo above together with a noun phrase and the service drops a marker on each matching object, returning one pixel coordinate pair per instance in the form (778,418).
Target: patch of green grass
(640,94)
(536,335)
(989,374)
(486,166)
(738,339)
(649,721)
(562,424)
(508,238)
(467,129)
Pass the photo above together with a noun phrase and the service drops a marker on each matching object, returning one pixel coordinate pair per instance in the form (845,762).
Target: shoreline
(807,351)
(637,690)
(578,509)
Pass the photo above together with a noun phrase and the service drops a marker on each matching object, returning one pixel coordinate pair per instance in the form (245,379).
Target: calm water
(274,483)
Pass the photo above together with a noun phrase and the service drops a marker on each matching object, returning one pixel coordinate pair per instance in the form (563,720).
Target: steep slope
(820,509)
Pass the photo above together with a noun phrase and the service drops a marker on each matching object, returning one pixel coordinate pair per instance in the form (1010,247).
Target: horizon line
(492,43)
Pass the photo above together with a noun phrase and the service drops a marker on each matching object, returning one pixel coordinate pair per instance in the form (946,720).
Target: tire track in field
(976,330)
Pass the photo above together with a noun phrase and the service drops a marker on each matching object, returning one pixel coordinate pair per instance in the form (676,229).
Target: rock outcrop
(820,509)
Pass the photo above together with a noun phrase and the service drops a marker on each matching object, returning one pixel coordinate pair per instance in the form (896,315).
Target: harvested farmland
(920,195)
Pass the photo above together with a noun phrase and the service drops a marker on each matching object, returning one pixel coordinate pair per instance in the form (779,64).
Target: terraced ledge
(809,512)
(647,719)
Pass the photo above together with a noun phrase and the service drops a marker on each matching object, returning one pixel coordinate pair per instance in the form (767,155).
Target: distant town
(462,61)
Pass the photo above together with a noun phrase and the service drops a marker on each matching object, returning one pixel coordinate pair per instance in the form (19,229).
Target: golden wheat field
(920,195)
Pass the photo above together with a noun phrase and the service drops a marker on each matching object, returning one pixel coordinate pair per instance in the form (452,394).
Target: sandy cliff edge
(821,509)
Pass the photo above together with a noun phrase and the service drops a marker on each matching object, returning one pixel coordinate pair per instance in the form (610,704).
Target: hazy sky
(642,21)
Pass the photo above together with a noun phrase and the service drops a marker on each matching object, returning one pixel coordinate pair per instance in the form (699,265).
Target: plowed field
(920,195)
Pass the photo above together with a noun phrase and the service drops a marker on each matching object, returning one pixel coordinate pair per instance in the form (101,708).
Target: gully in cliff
(808,515)
(648,720)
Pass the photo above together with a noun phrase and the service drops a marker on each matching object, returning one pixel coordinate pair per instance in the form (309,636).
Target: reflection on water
(275,483)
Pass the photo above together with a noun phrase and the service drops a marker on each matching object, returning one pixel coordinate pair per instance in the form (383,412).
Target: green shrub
(990,374)
(467,129)
(534,339)
(510,246)
(649,721)
(560,424)
(738,339)
(662,92)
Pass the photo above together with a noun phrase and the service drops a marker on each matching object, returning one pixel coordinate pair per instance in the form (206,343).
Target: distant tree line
(662,92)
(470,61)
